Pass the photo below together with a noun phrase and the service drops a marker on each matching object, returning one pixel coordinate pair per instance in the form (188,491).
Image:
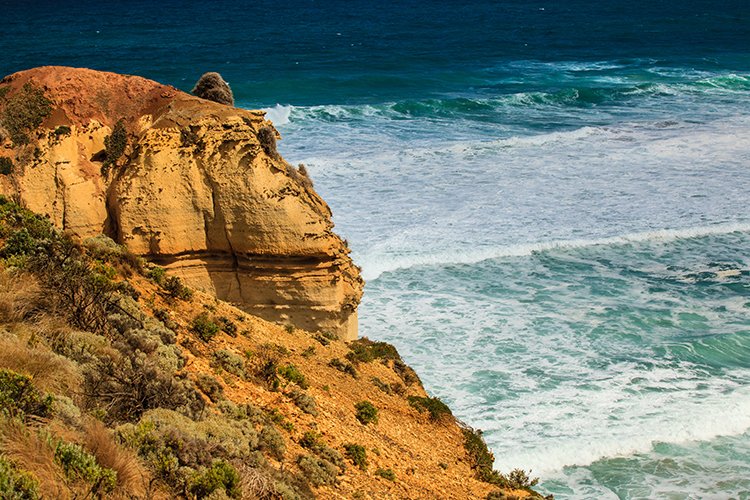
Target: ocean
(549,201)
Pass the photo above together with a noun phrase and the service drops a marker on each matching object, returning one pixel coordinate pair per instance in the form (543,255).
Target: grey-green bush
(211,86)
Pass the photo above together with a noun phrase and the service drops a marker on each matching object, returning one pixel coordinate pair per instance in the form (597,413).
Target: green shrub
(481,458)
(114,145)
(303,401)
(210,387)
(139,371)
(227,326)
(211,86)
(292,374)
(343,367)
(229,362)
(311,441)
(172,285)
(19,243)
(436,408)
(518,479)
(62,130)
(386,474)
(317,470)
(163,316)
(219,476)
(78,464)
(272,442)
(157,274)
(331,455)
(16,484)
(308,352)
(6,165)
(407,374)
(325,337)
(19,398)
(279,419)
(357,454)
(265,366)
(176,289)
(204,328)
(180,451)
(366,412)
(364,351)
(24,112)
(386,388)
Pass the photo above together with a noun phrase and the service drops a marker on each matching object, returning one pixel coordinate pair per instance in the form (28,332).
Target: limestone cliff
(198,189)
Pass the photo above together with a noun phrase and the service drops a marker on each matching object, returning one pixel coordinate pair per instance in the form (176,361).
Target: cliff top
(81,95)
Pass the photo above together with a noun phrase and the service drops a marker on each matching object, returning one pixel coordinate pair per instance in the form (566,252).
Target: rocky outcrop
(199,189)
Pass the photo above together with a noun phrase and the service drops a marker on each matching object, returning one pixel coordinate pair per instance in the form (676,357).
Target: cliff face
(199,190)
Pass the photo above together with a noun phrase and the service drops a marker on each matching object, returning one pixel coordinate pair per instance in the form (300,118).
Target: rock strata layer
(200,189)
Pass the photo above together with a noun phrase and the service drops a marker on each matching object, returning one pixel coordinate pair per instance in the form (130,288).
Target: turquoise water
(548,201)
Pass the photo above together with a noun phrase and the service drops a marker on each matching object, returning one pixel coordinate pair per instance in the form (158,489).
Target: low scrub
(357,454)
(229,362)
(303,401)
(19,398)
(365,350)
(80,465)
(6,165)
(17,484)
(210,387)
(265,366)
(205,328)
(272,442)
(407,374)
(220,476)
(211,86)
(481,458)
(317,470)
(434,406)
(114,145)
(366,413)
(386,474)
(292,374)
(343,367)
(24,111)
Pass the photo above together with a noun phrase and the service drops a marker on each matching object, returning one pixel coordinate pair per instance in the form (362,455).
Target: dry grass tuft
(131,477)
(34,452)
(19,296)
(49,371)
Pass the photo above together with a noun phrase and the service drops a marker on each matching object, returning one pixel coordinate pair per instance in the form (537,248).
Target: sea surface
(549,201)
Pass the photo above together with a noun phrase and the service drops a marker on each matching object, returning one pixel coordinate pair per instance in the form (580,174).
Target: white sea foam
(279,114)
(651,419)
(374,265)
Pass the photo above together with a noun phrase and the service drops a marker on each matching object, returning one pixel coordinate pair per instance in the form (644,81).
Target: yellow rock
(195,191)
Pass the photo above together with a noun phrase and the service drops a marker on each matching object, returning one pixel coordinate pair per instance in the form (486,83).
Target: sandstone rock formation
(196,191)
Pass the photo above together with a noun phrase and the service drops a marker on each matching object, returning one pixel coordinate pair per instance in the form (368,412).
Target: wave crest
(374,266)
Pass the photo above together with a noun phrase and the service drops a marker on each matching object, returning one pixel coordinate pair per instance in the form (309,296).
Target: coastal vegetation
(23,112)
(211,86)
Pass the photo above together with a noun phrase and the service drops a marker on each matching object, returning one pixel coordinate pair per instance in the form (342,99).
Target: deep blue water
(314,52)
(548,200)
